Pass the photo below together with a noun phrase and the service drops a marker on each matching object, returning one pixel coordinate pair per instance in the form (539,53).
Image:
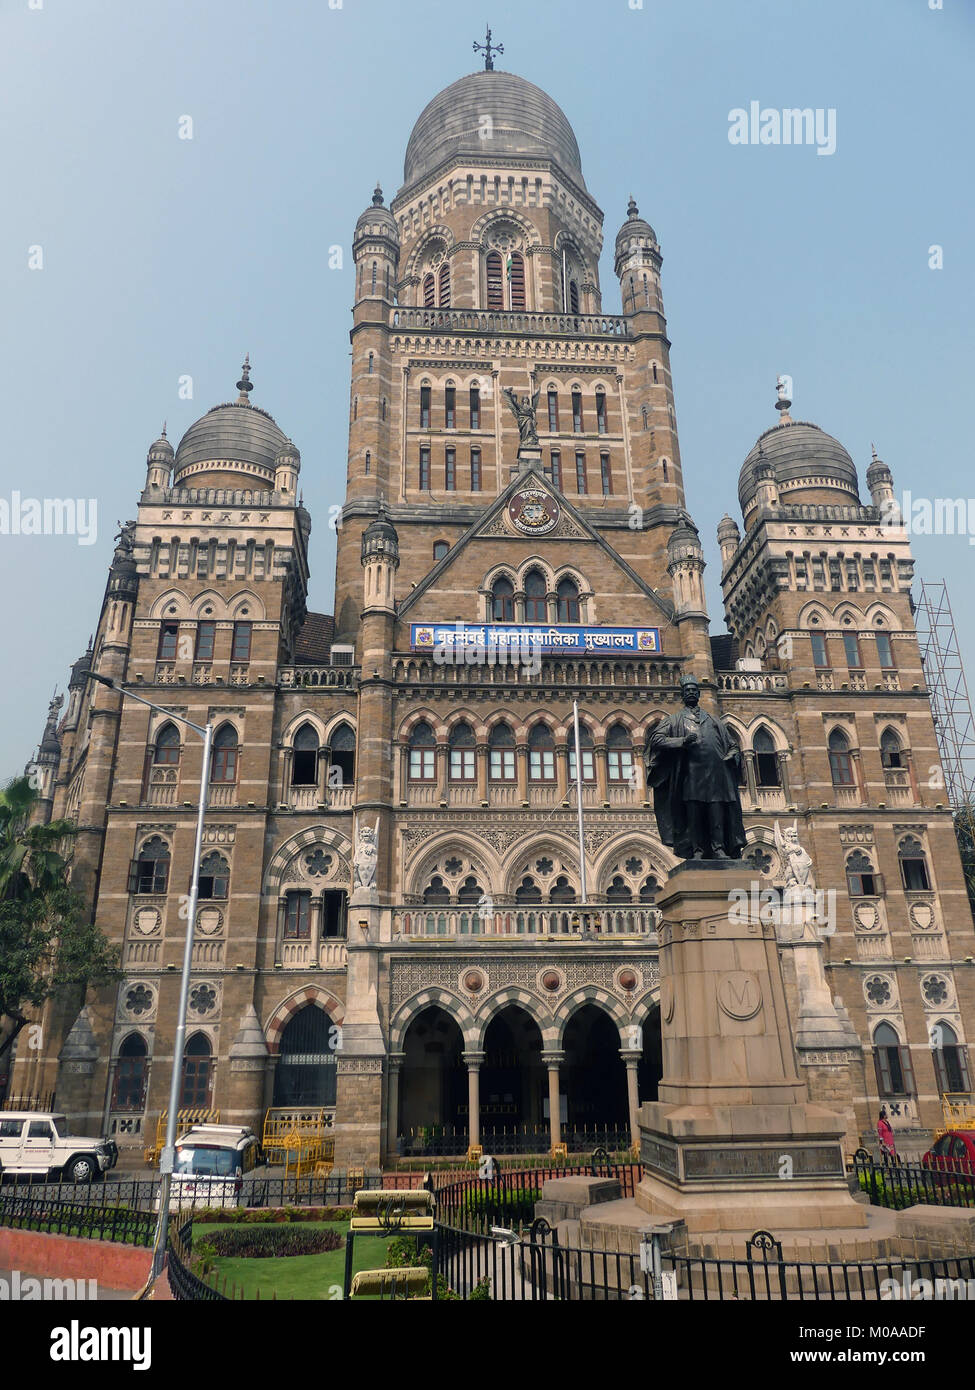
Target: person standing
(886,1136)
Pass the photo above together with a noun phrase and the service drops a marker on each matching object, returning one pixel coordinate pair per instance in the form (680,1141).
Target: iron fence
(39,1210)
(448,1141)
(184,1284)
(32,1103)
(508,1197)
(899,1185)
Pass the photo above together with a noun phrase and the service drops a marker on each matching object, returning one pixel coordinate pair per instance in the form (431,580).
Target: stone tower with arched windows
(396,925)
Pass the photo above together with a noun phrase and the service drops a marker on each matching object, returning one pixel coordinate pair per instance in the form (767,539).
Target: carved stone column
(521,764)
(473,1061)
(553,1061)
(481,761)
(631,1060)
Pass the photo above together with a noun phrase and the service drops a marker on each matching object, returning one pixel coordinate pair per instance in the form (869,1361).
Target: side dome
(523,120)
(377,219)
(232,445)
(634,228)
(805,463)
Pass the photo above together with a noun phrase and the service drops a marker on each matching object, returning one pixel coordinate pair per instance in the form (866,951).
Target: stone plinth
(733,1143)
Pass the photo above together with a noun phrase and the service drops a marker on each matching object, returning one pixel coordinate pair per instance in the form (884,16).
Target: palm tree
(30,855)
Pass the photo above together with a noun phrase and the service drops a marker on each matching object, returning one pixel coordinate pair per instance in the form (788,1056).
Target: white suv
(211,1168)
(41,1145)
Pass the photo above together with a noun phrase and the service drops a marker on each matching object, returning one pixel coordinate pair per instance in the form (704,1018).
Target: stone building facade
(455,987)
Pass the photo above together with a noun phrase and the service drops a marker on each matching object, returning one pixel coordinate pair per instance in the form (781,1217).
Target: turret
(880,481)
(729,539)
(380,560)
(287,466)
(685,565)
(375,250)
(637,264)
(159,463)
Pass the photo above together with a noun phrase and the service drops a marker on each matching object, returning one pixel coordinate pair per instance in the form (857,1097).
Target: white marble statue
(796,861)
(366,855)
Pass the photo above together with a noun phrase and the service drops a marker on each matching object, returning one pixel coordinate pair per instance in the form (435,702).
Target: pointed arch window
(197,1072)
(501,754)
(567,594)
(342,745)
(573,297)
(429,291)
(214,876)
(423,753)
(766,760)
(443,286)
(950,1061)
(470,891)
(223,761)
(304,757)
(462,752)
(528,891)
(424,407)
(131,1070)
(541,754)
(516,279)
(619,754)
(149,873)
(475,407)
(562,891)
(449,407)
(913,865)
(553,411)
(297,917)
(577,412)
(167,749)
(840,761)
(495,280)
(618,891)
(503,601)
(601,412)
(536,605)
(891,753)
(586,752)
(895,1075)
(436,891)
(861,881)
(649,889)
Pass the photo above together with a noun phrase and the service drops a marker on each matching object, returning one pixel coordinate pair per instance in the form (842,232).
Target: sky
(132,259)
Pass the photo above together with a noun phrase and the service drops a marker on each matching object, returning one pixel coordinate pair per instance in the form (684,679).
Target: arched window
(503,601)
(166,751)
(649,889)
(562,891)
(646,416)
(149,873)
(618,891)
(601,412)
(425,407)
(214,876)
(374,277)
(567,594)
(766,760)
(914,865)
(573,297)
(890,750)
(436,891)
(342,745)
(368,461)
(440,549)
(541,754)
(528,891)
(577,412)
(861,881)
(619,754)
(462,749)
(470,891)
(474,399)
(423,753)
(501,749)
(197,1072)
(495,280)
(535,603)
(553,410)
(950,1060)
(444,286)
(223,763)
(740,760)
(429,291)
(371,358)
(840,762)
(893,1062)
(305,1073)
(304,757)
(516,279)
(585,749)
(129,1087)
(655,378)
(450,406)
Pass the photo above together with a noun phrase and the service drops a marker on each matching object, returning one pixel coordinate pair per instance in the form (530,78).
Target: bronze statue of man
(693,764)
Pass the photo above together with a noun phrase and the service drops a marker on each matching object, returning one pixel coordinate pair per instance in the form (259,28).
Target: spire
(377,195)
(163,435)
(245,385)
(488,49)
(631,208)
(783,402)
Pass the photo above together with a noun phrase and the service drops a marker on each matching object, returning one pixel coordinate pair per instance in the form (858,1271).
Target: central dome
(491,113)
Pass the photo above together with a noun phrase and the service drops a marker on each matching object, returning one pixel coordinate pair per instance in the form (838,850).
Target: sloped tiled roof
(724,651)
(315,639)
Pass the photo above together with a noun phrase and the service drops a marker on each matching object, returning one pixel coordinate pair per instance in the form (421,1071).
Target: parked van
(215,1167)
(41,1145)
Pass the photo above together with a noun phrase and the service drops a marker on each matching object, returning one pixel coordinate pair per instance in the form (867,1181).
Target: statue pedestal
(733,1143)
(529,460)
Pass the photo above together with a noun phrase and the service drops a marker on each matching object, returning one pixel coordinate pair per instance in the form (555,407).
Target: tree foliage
(47,944)
(965,831)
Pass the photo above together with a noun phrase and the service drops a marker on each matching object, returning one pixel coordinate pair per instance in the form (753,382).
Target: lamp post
(167,1156)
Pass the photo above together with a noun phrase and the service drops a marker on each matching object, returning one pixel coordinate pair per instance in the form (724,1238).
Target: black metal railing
(38,1209)
(450,1141)
(184,1283)
(32,1103)
(508,1197)
(900,1185)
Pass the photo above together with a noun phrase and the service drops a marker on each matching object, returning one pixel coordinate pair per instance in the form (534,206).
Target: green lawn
(297,1276)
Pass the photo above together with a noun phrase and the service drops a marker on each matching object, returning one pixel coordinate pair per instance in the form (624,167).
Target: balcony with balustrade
(567,922)
(520,322)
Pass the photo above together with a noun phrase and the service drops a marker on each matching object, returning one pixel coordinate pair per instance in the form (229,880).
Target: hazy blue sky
(164,257)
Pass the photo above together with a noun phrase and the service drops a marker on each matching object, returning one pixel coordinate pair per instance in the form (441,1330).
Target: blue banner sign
(569,641)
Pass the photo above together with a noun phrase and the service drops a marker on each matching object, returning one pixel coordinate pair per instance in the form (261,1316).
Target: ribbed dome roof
(524,121)
(234,433)
(635,226)
(798,451)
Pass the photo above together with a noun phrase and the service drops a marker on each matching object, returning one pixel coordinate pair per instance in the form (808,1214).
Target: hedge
(266,1241)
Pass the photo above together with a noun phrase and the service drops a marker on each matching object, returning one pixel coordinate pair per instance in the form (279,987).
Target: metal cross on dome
(488,49)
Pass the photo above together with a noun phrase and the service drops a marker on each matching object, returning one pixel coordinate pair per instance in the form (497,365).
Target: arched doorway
(651,1065)
(433,1081)
(513,1081)
(305,1072)
(594,1073)
(197,1073)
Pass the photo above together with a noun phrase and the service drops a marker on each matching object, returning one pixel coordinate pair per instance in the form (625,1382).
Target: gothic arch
(627,842)
(762,721)
(550,845)
(442,998)
(305,716)
(160,606)
(814,614)
(421,716)
(533,1006)
(879,615)
(483,225)
(307,994)
(440,232)
(482,863)
(590,994)
(287,852)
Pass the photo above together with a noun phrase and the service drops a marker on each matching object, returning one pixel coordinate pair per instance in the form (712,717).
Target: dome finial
(163,435)
(245,385)
(873,450)
(488,50)
(377,195)
(783,402)
(631,208)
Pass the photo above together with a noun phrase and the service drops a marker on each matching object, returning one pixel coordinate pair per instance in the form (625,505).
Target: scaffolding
(951,707)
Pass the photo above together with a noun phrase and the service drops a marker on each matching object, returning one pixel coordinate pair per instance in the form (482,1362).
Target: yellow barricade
(377,1209)
(389,1283)
(185,1120)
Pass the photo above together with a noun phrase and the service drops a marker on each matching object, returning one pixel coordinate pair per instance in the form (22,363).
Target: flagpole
(582,843)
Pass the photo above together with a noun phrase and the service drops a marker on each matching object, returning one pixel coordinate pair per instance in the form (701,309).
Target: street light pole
(167,1157)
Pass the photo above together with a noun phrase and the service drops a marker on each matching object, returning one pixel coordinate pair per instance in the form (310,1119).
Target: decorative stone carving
(366,856)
